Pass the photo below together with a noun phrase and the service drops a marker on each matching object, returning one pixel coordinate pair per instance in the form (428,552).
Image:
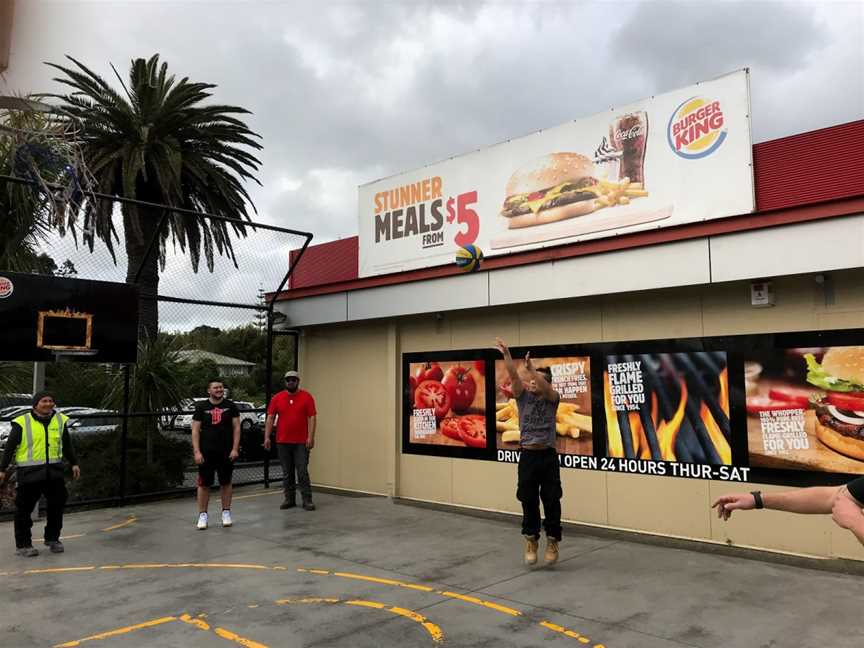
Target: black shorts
(856,489)
(215,464)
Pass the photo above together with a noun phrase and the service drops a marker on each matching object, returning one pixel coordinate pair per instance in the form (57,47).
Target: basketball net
(44,147)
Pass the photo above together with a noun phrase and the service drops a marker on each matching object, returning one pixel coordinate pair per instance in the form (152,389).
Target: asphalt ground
(365,571)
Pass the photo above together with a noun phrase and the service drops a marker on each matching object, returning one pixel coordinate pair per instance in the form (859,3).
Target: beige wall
(353,371)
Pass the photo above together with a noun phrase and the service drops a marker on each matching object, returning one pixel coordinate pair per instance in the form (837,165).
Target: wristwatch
(757,496)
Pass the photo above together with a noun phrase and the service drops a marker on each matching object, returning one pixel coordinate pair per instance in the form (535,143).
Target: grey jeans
(295,456)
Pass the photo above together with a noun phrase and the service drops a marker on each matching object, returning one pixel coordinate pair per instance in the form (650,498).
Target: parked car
(183,422)
(248,418)
(93,421)
(10,399)
(6,416)
(252,441)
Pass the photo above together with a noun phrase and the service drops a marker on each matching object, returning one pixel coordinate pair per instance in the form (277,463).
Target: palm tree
(158,143)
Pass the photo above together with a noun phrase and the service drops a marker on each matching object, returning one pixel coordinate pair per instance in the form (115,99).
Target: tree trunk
(141,227)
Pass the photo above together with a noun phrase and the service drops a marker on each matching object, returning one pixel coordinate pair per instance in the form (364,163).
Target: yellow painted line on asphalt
(433,630)
(460,597)
(186,566)
(430,627)
(487,604)
(57,570)
(568,633)
(382,581)
(198,623)
(232,636)
(132,520)
(362,603)
(118,631)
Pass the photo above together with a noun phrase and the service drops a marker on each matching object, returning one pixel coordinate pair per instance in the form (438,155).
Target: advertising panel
(676,158)
(571,378)
(805,408)
(445,404)
(785,408)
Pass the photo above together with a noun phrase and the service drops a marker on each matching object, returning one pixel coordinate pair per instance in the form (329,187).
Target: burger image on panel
(840,413)
(549,189)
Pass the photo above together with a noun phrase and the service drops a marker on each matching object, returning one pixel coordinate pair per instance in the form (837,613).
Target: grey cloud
(474,84)
(679,43)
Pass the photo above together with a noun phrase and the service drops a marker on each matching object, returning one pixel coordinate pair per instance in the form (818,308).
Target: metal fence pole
(124,434)
(268,390)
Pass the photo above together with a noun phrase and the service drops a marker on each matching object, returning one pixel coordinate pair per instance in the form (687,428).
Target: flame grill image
(65,330)
(669,407)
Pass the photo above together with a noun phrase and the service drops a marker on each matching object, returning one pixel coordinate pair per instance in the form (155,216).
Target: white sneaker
(202,521)
(226,518)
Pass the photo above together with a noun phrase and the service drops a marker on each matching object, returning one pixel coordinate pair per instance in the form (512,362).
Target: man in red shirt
(294,411)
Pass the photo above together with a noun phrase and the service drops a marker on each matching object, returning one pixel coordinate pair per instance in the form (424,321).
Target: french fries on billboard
(568,421)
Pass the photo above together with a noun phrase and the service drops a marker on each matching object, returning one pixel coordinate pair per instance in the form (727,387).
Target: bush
(99,457)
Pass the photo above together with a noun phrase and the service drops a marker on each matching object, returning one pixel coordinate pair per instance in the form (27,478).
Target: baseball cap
(292,374)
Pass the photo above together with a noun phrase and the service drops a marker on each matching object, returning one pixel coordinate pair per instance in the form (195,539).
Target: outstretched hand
(734,502)
(499,344)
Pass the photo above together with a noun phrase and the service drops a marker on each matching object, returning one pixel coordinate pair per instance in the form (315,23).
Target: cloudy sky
(347,92)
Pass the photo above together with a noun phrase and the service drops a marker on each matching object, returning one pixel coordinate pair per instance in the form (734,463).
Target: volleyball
(468,258)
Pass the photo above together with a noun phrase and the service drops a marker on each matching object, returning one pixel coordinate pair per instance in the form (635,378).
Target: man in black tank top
(844,503)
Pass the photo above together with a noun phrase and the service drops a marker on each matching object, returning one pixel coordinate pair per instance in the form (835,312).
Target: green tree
(159,143)
(155,385)
(195,376)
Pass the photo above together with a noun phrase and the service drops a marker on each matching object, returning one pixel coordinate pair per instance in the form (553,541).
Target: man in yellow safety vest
(39,441)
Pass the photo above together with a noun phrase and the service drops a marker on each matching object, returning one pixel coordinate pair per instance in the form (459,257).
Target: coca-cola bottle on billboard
(629,134)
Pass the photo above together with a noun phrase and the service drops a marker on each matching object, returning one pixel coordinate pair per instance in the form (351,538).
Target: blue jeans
(295,456)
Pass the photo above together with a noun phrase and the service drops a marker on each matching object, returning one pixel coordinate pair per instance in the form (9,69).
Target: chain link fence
(203,283)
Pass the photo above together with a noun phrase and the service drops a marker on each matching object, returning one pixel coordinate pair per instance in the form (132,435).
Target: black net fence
(204,313)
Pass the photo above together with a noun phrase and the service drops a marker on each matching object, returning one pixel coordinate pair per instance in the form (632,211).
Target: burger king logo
(696,128)
(6,287)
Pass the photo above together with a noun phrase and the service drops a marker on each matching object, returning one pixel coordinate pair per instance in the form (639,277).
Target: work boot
(288,503)
(308,505)
(551,555)
(55,546)
(27,552)
(531,544)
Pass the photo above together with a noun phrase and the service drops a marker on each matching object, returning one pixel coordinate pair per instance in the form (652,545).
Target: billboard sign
(676,158)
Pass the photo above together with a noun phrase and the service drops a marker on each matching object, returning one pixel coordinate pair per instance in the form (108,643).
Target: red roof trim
(804,177)
(803,214)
